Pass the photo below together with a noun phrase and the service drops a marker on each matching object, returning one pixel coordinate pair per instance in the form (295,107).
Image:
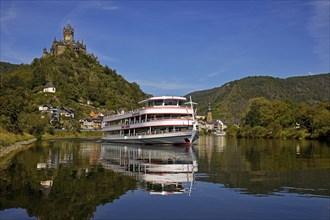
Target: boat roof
(163,98)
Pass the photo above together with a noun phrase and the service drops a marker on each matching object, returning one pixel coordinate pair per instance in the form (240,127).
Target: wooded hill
(229,101)
(8,67)
(81,84)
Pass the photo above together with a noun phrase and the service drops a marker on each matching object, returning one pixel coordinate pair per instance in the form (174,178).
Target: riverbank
(5,150)
(9,145)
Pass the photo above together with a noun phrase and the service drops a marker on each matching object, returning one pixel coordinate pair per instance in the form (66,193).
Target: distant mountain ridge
(229,100)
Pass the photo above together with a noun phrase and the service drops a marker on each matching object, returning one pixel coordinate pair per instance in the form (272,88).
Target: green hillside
(8,67)
(81,83)
(230,100)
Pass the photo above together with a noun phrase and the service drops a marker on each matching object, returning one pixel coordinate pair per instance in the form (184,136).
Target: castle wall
(60,49)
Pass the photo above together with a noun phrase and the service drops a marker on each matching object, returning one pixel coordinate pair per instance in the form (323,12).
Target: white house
(44,108)
(49,87)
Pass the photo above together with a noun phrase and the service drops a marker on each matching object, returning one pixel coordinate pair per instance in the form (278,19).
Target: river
(217,178)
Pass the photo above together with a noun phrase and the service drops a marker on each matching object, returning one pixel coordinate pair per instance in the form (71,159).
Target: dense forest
(81,83)
(254,107)
(283,119)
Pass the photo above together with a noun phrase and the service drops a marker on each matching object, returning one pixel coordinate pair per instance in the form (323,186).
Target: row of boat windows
(166,102)
(146,118)
(150,130)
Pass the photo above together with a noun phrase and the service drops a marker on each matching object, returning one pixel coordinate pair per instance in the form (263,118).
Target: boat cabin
(163,101)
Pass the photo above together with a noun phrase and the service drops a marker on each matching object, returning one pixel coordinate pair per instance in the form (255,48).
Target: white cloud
(104,5)
(216,73)
(165,85)
(318,28)
(111,8)
(8,15)
(103,58)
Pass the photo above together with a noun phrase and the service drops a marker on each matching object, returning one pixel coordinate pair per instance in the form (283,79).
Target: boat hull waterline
(168,138)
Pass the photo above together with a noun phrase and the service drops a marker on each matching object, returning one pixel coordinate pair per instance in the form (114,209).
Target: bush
(258,132)
(232,131)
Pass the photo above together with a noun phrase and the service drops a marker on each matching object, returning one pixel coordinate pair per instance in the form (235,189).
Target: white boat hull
(166,138)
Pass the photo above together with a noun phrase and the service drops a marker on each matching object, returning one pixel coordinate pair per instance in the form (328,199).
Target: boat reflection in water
(161,170)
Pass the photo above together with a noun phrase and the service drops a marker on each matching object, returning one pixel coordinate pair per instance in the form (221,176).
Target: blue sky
(177,47)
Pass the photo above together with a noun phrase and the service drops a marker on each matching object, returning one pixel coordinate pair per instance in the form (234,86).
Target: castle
(68,43)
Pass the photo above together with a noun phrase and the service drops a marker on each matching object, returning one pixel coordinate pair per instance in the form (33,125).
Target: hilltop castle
(68,43)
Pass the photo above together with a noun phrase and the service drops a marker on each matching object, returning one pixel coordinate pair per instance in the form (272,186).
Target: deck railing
(148,133)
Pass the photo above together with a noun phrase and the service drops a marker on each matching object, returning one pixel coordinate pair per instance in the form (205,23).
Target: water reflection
(68,179)
(56,179)
(60,180)
(265,167)
(162,170)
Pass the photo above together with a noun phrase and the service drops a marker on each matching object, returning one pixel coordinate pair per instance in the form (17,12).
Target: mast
(193,112)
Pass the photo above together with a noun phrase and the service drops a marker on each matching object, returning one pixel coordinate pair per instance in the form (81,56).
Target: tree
(12,103)
(305,115)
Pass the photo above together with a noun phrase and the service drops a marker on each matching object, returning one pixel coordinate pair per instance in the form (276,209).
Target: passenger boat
(161,120)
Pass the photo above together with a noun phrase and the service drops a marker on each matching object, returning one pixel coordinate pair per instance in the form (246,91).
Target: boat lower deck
(165,138)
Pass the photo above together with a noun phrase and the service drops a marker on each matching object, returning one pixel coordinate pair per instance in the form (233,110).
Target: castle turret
(45,53)
(68,32)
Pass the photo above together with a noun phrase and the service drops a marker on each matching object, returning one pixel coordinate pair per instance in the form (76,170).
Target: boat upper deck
(156,105)
(164,101)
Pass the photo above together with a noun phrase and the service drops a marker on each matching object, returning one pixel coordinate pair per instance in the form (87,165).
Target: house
(67,112)
(92,122)
(96,114)
(49,87)
(44,108)
(87,123)
(97,123)
(55,111)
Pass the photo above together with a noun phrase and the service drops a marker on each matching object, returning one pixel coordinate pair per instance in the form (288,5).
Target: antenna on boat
(195,132)
(192,107)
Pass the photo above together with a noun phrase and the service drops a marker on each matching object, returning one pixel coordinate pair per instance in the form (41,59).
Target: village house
(49,87)
(87,123)
(67,112)
(92,122)
(210,125)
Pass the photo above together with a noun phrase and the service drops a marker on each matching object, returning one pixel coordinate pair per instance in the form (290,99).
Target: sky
(175,47)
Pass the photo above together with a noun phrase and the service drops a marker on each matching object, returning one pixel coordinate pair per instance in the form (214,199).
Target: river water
(217,178)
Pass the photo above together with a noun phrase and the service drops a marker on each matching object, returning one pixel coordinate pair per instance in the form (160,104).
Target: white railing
(147,133)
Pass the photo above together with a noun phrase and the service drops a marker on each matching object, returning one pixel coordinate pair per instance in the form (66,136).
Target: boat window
(158,102)
(159,117)
(170,102)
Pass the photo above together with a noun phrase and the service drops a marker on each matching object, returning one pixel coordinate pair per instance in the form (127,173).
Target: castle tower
(68,32)
(45,53)
(209,118)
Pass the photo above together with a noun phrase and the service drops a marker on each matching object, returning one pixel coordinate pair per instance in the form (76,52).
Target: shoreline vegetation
(10,142)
